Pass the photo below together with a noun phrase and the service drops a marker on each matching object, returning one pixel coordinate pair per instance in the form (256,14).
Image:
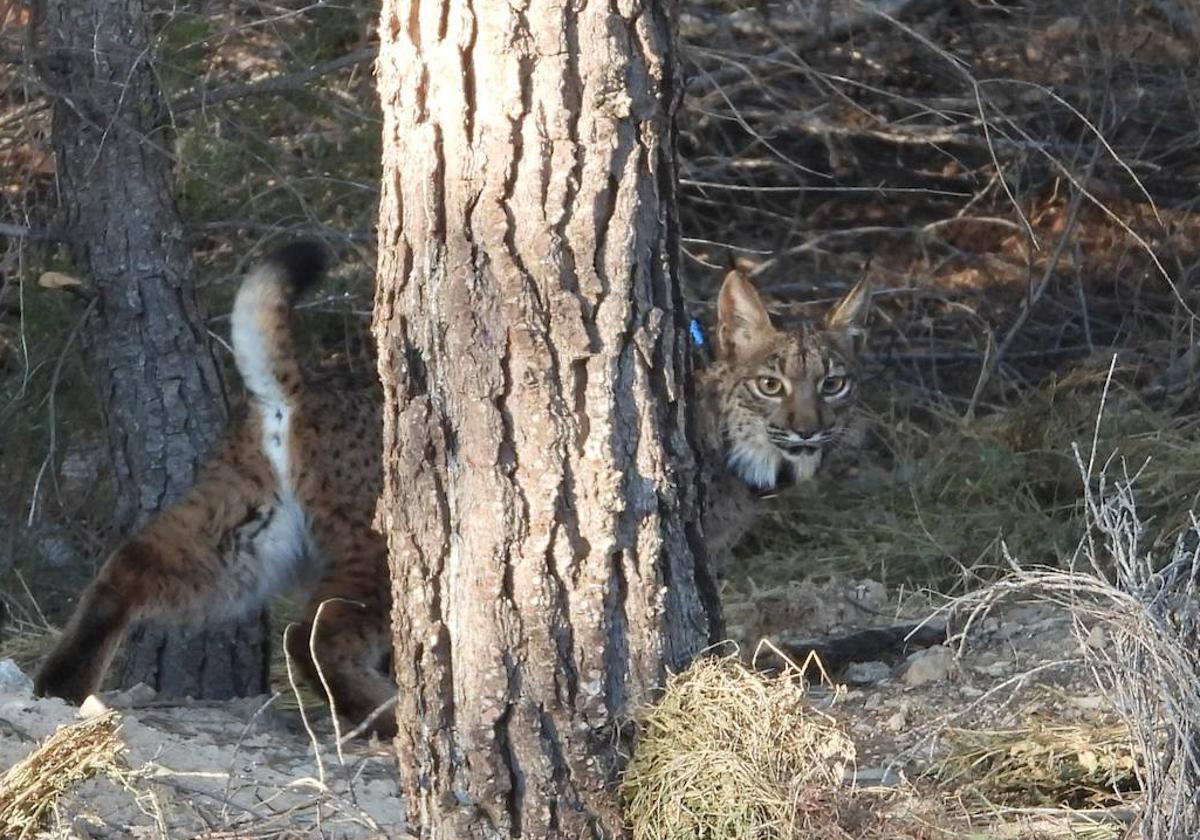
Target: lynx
(287,499)
(772,406)
(774,403)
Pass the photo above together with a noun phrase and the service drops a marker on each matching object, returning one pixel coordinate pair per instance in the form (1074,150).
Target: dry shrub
(27,643)
(942,498)
(1145,607)
(73,754)
(1040,765)
(730,753)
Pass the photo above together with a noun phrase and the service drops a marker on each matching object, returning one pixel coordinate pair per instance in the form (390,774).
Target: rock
(92,707)
(261,710)
(993,669)
(89,826)
(867,673)
(874,777)
(131,698)
(929,666)
(13,679)
(869,595)
(898,721)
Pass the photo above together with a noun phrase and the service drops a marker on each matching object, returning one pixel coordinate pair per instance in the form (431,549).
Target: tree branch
(283,83)
(22,232)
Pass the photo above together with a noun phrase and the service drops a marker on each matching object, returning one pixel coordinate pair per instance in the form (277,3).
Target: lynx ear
(743,323)
(849,317)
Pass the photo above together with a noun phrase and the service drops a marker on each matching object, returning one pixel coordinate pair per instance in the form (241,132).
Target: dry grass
(1136,612)
(1045,765)
(729,753)
(27,640)
(941,500)
(73,754)
(732,754)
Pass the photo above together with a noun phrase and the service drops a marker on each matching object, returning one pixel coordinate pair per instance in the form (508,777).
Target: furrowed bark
(146,343)
(539,492)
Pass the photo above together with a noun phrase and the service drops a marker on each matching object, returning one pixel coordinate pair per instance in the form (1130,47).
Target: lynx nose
(803,421)
(795,440)
(810,439)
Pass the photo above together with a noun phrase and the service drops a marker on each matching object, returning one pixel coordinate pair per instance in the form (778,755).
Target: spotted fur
(285,502)
(775,402)
(287,499)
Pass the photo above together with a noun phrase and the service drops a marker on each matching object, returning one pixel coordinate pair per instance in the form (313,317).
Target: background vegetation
(1018,180)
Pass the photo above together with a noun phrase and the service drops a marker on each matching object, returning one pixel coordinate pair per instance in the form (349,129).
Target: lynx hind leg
(344,645)
(174,573)
(113,601)
(342,650)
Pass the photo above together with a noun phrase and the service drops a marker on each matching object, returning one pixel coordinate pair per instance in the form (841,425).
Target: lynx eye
(769,386)
(834,386)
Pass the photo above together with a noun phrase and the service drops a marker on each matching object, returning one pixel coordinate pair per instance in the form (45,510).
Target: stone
(138,695)
(867,673)
(13,679)
(929,666)
(92,707)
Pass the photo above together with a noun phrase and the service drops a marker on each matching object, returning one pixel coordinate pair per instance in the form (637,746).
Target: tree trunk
(539,497)
(160,392)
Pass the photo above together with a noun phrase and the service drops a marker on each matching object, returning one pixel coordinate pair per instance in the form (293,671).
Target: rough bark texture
(539,485)
(158,382)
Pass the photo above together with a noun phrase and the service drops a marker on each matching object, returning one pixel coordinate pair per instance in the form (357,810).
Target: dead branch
(865,20)
(996,358)
(284,83)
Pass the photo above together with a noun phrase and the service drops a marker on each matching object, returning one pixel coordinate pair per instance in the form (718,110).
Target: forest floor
(991,736)
(212,769)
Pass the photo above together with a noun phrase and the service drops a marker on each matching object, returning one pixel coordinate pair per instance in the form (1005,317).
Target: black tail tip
(303,262)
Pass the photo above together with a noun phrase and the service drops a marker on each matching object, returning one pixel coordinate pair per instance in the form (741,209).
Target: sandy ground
(201,769)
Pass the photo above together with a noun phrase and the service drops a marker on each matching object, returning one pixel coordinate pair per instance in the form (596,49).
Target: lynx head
(787,395)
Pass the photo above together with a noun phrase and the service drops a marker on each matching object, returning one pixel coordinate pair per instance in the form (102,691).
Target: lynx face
(787,396)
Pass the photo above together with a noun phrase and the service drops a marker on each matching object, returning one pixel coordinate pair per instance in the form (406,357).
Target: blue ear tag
(696,331)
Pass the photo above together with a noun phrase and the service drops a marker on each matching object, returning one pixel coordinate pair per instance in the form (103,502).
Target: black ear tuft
(303,263)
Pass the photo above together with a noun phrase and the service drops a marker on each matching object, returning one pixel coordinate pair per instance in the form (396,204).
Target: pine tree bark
(160,392)
(539,496)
